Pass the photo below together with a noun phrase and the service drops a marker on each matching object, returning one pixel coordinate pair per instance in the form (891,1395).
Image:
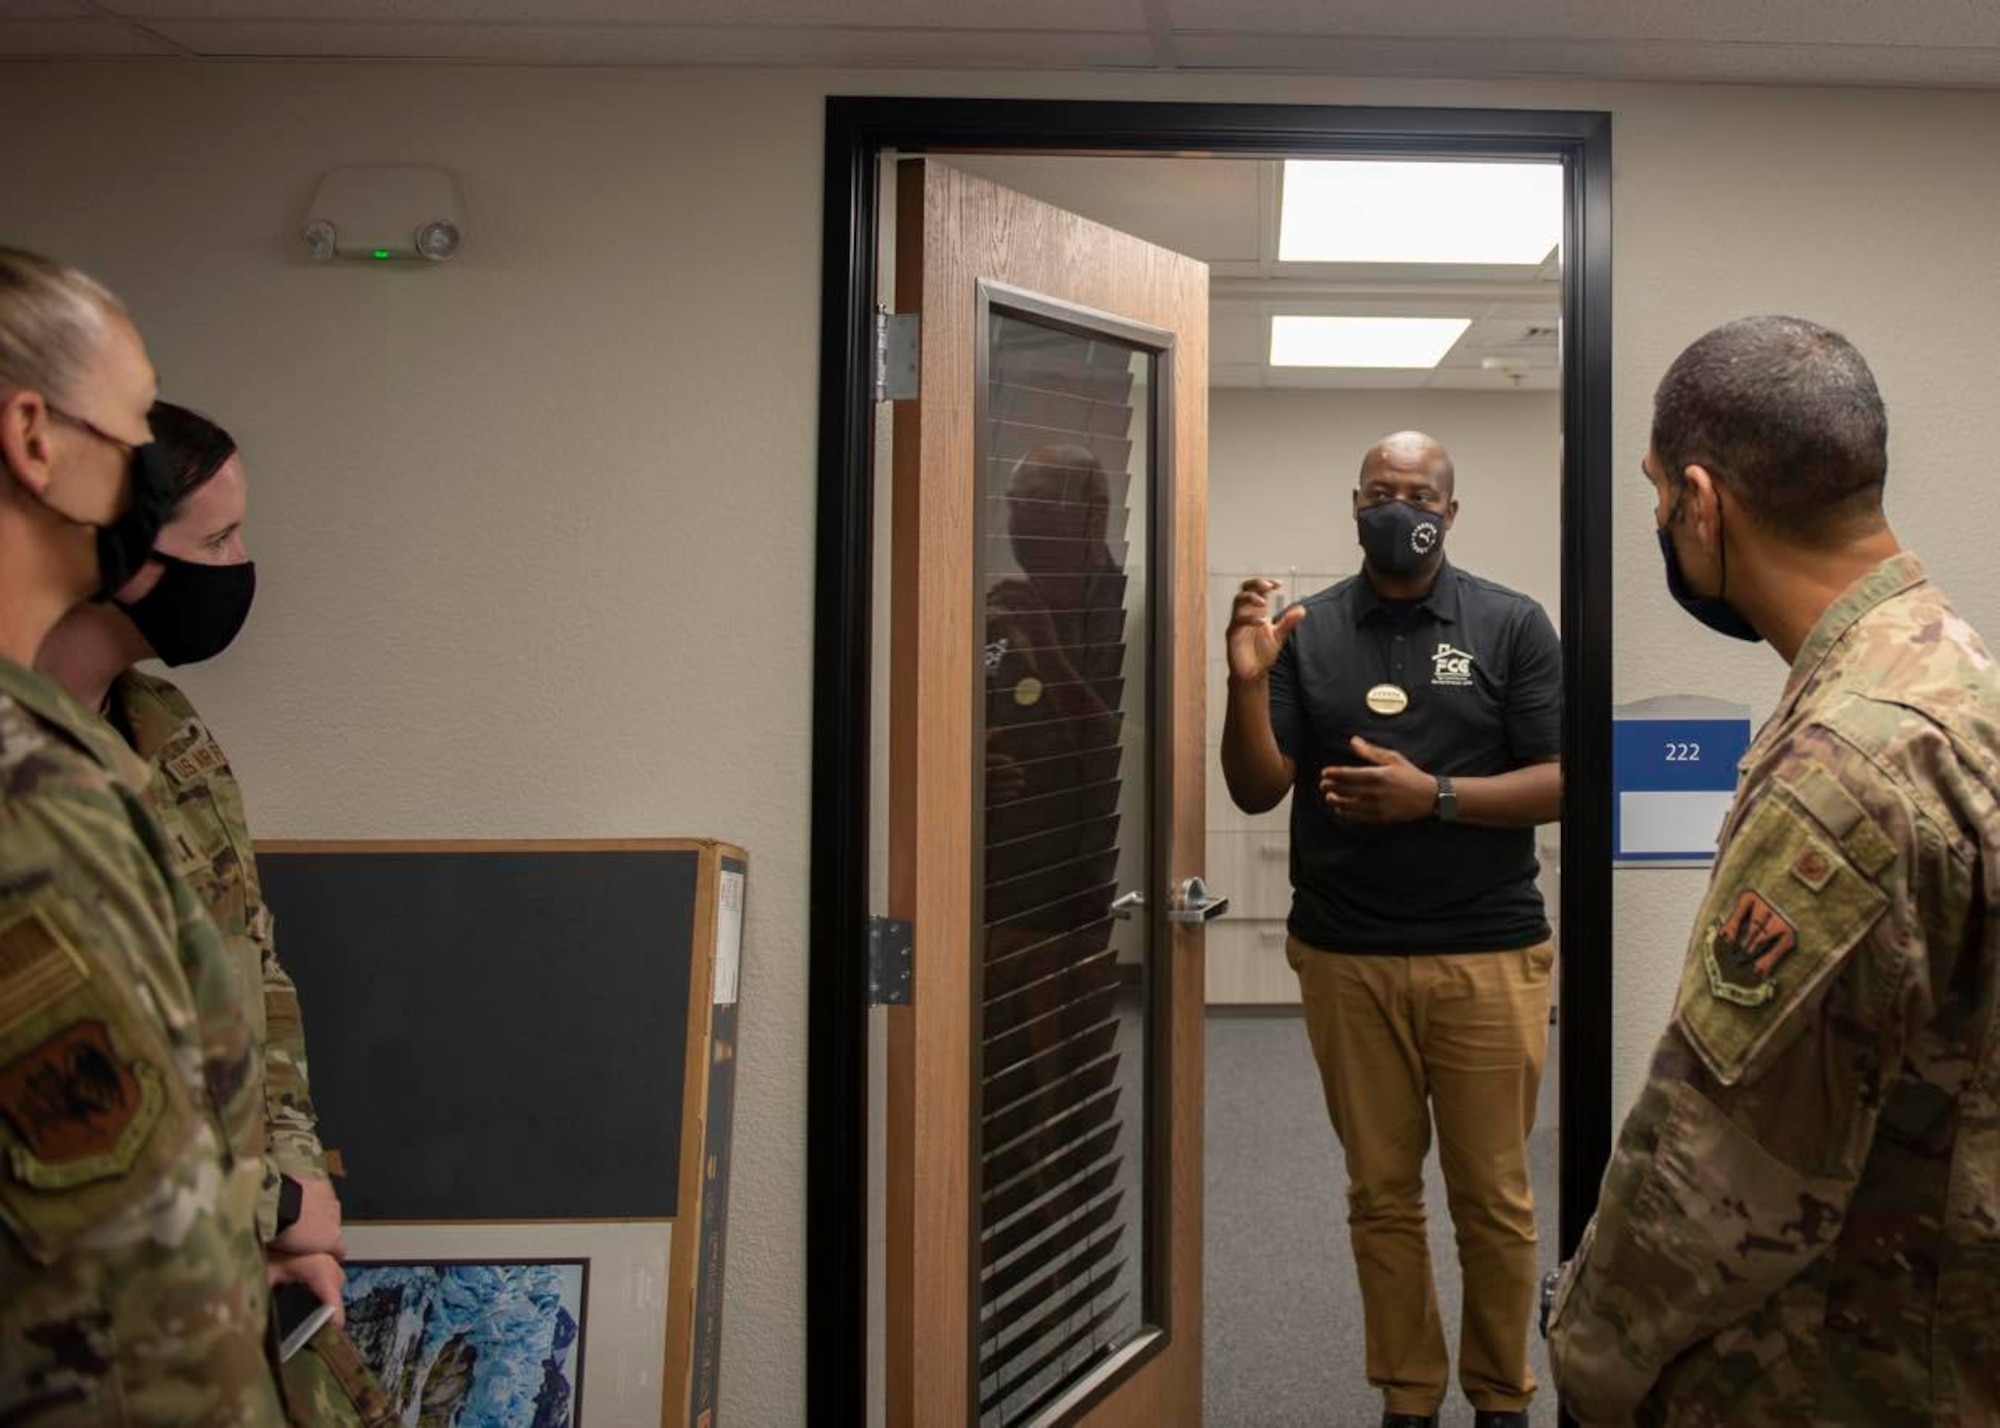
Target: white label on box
(728,937)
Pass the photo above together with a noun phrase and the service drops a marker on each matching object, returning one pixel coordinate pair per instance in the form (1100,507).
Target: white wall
(1282,468)
(536,528)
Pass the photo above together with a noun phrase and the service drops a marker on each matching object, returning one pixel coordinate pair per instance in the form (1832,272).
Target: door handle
(1124,906)
(1196,903)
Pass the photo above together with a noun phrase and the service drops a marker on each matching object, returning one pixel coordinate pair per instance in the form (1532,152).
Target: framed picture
(431,1184)
(608,1279)
(474,1343)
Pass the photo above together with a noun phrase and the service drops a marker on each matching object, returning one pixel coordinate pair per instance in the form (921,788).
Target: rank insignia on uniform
(81,1114)
(37,966)
(1743,950)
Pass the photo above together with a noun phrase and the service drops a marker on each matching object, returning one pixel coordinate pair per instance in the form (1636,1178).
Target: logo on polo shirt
(1450,665)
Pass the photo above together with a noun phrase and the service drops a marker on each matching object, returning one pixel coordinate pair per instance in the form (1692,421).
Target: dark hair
(194,447)
(1785,413)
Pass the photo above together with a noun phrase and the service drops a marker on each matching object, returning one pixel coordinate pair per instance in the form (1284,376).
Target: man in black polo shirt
(1414,712)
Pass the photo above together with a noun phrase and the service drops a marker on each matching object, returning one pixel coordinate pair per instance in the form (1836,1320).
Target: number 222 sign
(1673,776)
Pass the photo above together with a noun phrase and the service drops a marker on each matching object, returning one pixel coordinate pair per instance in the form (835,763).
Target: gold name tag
(1388,700)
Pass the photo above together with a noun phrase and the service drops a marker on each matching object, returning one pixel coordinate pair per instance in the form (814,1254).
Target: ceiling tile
(1234,375)
(54,38)
(1237,335)
(1106,15)
(657,45)
(1631,60)
(1827,22)
(1463,380)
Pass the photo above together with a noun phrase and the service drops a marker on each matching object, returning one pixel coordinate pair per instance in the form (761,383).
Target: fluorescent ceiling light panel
(1363,341)
(1360,211)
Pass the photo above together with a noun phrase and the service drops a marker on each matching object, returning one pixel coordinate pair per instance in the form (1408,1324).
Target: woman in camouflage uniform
(186,605)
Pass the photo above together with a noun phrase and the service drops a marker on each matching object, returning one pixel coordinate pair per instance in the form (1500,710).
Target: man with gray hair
(1798,1224)
(132,1283)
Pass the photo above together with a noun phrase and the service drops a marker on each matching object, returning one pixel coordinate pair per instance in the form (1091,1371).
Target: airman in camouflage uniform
(201,810)
(192,595)
(132,1284)
(1799,1222)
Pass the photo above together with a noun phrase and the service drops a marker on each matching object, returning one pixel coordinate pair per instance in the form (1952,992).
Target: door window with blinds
(1070,837)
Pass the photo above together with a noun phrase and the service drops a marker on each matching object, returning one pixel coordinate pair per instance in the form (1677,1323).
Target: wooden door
(1046,785)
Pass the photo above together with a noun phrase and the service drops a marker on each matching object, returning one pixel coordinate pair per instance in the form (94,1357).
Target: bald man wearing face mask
(132,1284)
(1413,713)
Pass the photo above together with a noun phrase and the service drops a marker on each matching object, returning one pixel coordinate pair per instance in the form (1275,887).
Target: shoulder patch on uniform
(37,965)
(1788,902)
(1743,949)
(1813,866)
(80,1112)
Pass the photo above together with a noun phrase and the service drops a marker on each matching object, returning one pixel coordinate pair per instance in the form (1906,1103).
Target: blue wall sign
(1673,776)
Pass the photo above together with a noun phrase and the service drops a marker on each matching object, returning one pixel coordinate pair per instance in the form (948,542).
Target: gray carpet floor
(1283,1314)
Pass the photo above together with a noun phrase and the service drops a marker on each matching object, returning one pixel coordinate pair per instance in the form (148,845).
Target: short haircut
(1786,415)
(52,320)
(193,447)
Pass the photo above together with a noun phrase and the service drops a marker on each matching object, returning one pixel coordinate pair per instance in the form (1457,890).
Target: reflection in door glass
(1063,1207)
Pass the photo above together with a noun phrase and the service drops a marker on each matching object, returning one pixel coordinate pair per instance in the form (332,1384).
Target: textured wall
(1283,466)
(536,528)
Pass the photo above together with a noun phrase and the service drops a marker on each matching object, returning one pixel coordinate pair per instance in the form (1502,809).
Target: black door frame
(858,132)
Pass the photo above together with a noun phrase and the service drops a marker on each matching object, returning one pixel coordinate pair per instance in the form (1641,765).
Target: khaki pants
(1467,1033)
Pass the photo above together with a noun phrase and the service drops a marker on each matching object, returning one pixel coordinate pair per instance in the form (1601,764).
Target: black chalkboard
(494,1035)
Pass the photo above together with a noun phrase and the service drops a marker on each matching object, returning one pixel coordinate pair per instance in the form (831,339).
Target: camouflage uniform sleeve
(1735,1169)
(133,1281)
(293,1124)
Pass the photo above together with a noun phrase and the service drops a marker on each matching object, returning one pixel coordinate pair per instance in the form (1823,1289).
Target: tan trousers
(1467,1034)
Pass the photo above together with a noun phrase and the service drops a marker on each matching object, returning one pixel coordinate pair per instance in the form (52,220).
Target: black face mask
(195,610)
(124,545)
(1398,537)
(1712,610)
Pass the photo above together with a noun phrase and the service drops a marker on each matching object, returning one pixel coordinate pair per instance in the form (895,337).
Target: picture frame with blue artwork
(477,1343)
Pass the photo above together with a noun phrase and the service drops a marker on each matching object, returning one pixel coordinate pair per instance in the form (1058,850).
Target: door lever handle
(1125,905)
(1196,904)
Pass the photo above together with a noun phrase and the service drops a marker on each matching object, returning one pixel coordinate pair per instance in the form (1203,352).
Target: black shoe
(1408,1420)
(1500,1418)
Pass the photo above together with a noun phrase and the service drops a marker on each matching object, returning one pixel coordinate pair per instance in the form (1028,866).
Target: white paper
(728,937)
(1685,824)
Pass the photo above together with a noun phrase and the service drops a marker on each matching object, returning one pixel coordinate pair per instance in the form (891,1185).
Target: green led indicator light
(381,252)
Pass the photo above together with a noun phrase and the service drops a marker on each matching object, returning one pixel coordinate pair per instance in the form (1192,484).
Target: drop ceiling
(1911,42)
(1225,212)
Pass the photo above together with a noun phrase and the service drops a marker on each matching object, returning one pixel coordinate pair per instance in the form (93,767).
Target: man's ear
(1702,495)
(1450,512)
(25,447)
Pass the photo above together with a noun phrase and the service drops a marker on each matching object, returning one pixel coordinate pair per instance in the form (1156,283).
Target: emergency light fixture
(384,213)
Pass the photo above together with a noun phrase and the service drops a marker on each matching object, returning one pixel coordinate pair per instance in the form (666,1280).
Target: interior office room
(1288,432)
(542,539)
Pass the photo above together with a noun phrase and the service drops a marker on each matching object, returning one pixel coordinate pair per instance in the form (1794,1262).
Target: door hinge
(898,344)
(891,943)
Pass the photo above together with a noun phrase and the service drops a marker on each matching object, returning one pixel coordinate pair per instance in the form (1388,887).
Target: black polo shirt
(1483,670)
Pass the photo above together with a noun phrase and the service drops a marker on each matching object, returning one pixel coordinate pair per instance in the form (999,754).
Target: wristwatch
(291,1202)
(1446,808)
